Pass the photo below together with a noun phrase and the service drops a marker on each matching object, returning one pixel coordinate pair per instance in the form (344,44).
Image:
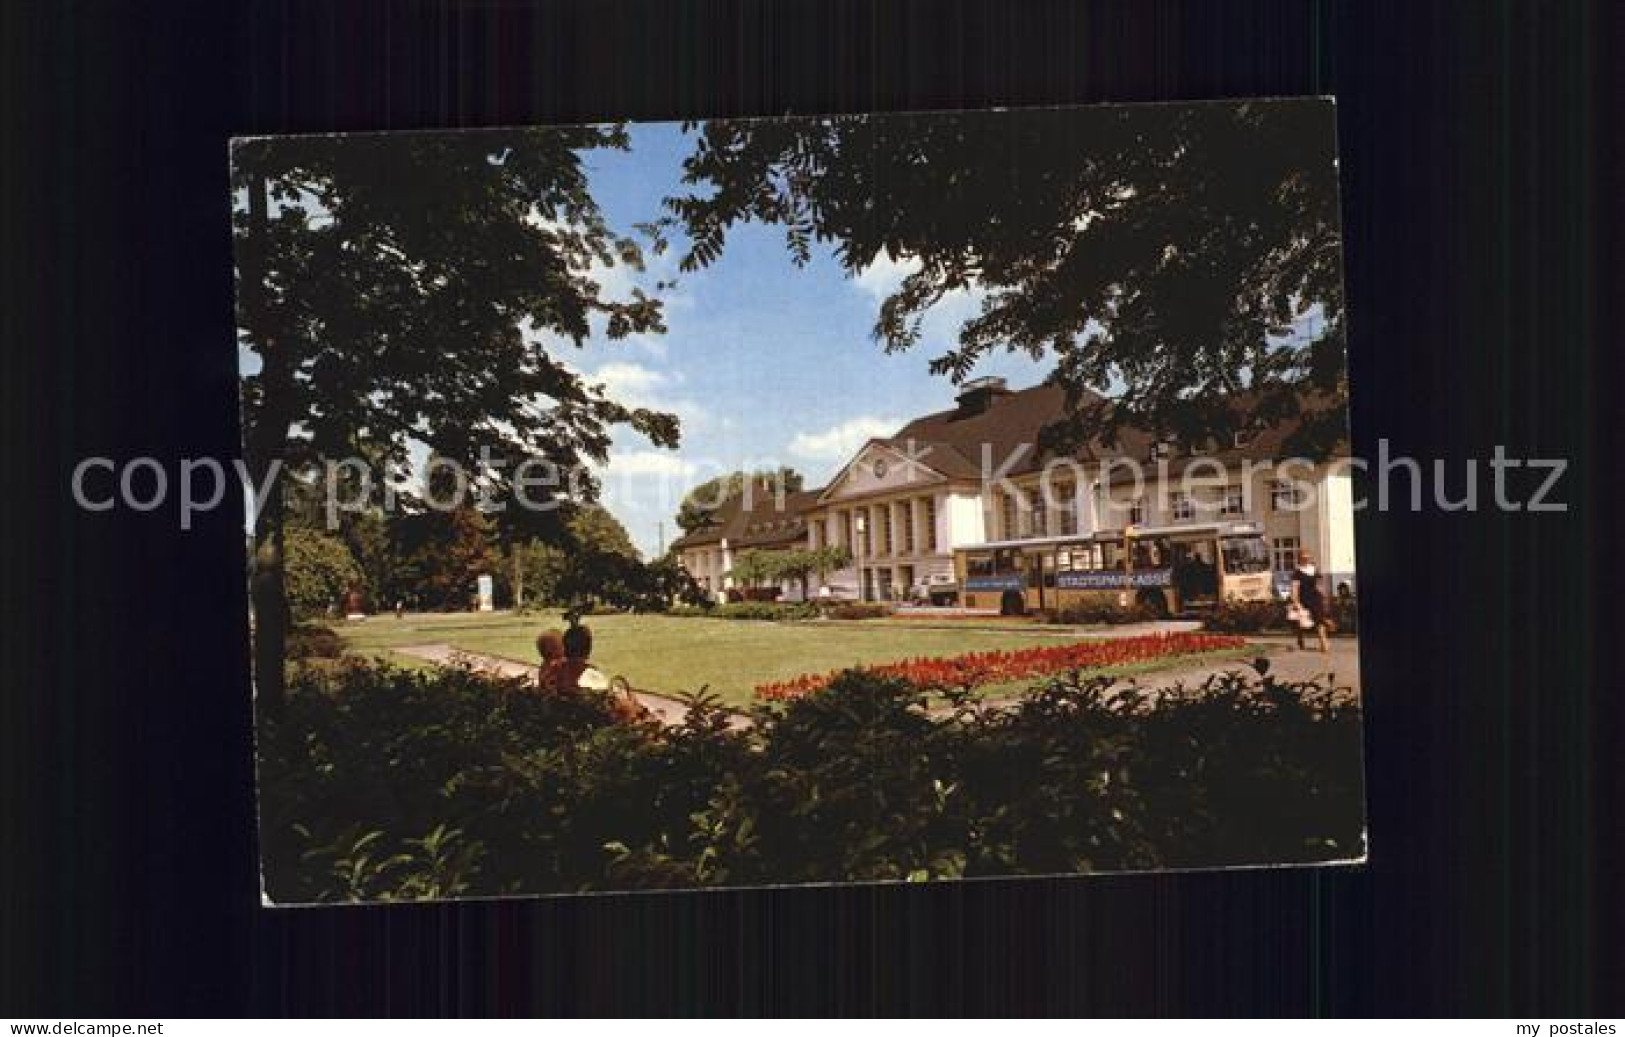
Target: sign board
(1113,579)
(1007,582)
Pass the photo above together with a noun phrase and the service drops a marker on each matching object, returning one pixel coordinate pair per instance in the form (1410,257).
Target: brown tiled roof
(1265,443)
(763,524)
(951,441)
(955,439)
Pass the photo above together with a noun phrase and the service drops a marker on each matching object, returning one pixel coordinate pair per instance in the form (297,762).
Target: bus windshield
(1245,555)
(990,564)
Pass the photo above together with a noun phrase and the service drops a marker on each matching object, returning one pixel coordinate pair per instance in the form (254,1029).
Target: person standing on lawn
(1308,601)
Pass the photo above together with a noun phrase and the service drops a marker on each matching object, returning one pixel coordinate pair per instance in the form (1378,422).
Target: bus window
(1079,558)
(1151,554)
(978,565)
(1245,555)
(1194,570)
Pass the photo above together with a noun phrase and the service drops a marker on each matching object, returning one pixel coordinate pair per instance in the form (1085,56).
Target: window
(1083,558)
(1161,449)
(1008,501)
(996,563)
(1285,495)
(931,523)
(1038,517)
(1182,507)
(1136,511)
(885,529)
(1245,555)
(908,527)
(1066,498)
(1284,554)
(1235,501)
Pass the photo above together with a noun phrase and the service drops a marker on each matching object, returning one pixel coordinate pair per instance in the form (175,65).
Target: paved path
(1287,662)
(668,711)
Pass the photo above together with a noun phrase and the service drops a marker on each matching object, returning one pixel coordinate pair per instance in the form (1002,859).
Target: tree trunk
(268,592)
(518,579)
(265,441)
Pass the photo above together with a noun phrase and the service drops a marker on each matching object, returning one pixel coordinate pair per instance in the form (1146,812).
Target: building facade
(974,475)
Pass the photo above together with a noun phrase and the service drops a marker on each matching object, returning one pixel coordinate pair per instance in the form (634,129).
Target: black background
(1477,160)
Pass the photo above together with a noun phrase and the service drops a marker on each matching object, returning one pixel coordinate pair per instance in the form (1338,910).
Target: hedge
(1094,612)
(1252,617)
(380,783)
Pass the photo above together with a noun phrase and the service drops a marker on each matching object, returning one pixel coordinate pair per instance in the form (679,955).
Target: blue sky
(763,361)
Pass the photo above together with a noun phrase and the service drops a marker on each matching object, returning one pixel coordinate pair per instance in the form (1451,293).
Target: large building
(974,475)
(759,518)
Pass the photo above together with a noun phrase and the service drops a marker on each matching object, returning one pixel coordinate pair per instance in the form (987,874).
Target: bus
(1171,570)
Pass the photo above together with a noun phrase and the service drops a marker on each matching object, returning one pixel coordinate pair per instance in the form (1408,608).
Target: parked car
(940,590)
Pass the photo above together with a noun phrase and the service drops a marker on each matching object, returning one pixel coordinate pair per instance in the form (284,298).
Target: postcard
(762,502)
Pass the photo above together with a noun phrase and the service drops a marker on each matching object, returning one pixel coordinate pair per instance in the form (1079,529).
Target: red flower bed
(981,668)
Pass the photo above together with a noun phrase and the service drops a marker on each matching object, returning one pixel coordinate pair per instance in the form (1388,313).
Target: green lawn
(672,654)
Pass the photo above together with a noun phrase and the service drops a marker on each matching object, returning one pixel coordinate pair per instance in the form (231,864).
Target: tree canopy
(1168,255)
(391,276)
(321,571)
(421,287)
(698,504)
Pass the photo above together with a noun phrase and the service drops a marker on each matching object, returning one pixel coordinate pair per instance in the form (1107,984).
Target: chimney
(977,395)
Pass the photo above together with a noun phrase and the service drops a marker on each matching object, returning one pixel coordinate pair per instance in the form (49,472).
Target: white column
(1088,494)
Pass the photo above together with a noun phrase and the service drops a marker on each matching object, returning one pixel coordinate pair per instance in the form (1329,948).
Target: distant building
(761,519)
(973,475)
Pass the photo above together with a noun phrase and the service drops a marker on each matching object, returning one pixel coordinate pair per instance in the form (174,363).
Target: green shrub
(319,570)
(857,610)
(1089,613)
(690,611)
(760,610)
(313,641)
(379,783)
(1252,617)
(1235,616)
(1346,614)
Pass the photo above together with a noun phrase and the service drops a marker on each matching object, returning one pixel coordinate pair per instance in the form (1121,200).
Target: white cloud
(658,463)
(942,319)
(631,383)
(638,385)
(839,442)
(884,275)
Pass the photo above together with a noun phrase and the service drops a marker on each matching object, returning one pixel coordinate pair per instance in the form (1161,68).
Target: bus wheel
(1012,604)
(1154,601)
